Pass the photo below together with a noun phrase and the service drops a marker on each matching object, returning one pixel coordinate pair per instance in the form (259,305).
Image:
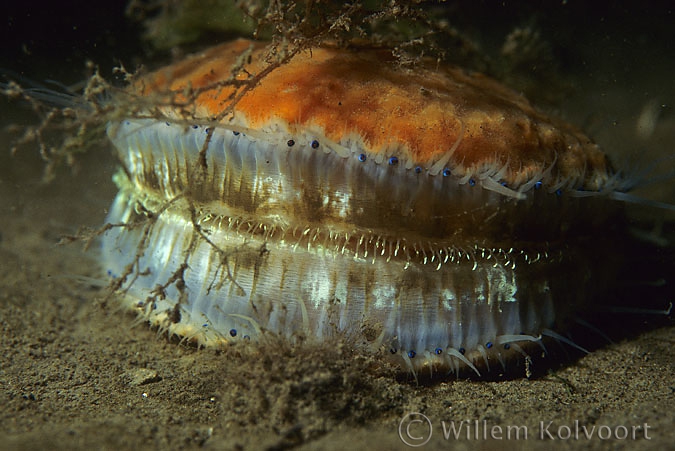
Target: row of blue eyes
(438,351)
(392,160)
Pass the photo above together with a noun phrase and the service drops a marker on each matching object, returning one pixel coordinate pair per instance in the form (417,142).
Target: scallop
(430,210)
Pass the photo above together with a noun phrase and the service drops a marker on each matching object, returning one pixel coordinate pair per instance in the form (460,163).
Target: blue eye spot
(290,143)
(462,351)
(446,172)
(362,157)
(207,130)
(393,161)
(195,126)
(412,354)
(235,133)
(558,192)
(538,185)
(507,346)
(233,332)
(315,144)
(472,182)
(438,351)
(488,344)
(418,169)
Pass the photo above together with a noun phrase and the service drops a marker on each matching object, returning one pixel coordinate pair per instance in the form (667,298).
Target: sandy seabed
(76,373)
